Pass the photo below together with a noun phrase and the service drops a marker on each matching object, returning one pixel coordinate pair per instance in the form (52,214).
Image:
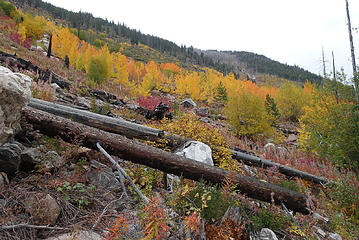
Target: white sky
(289,31)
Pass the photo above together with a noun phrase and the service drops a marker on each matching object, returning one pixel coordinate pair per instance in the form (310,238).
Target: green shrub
(209,201)
(246,112)
(7,7)
(97,69)
(289,184)
(266,219)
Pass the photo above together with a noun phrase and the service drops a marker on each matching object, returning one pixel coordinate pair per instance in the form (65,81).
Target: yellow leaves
(246,112)
(34,27)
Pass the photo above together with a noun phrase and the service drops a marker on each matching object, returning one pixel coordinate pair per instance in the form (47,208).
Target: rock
(29,158)
(202,111)
(53,160)
(334,236)
(10,158)
(233,214)
(77,235)
(197,151)
(15,94)
(320,232)
(104,178)
(291,138)
(3,179)
(132,106)
(43,208)
(321,218)
(83,102)
(188,103)
(205,120)
(267,234)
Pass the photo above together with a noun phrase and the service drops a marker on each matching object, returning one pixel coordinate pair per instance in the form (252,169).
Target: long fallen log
(109,124)
(288,171)
(133,130)
(155,158)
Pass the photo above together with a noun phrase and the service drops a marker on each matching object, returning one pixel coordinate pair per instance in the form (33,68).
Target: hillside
(255,64)
(243,62)
(105,148)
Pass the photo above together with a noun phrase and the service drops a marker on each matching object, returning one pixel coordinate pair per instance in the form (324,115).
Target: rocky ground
(50,188)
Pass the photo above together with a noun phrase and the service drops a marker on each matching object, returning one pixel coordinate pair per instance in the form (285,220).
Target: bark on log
(133,130)
(155,158)
(109,124)
(288,171)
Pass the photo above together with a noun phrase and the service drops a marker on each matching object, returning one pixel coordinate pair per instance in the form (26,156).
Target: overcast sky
(289,31)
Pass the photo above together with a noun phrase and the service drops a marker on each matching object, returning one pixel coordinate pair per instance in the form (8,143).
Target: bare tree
(355,74)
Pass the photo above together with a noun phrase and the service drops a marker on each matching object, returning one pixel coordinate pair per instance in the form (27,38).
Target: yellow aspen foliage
(188,84)
(188,126)
(121,72)
(151,80)
(291,100)
(22,31)
(107,57)
(34,28)
(246,112)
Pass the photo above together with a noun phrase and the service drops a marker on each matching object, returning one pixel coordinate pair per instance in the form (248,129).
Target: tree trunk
(155,158)
(355,75)
(50,46)
(260,162)
(133,130)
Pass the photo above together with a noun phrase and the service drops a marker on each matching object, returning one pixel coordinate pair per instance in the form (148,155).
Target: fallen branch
(120,169)
(7,227)
(155,158)
(133,130)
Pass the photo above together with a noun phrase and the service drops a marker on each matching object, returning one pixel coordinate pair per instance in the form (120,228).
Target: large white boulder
(15,93)
(197,151)
(194,150)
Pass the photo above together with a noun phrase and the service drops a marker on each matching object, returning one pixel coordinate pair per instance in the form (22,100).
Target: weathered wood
(133,130)
(288,171)
(155,158)
(15,62)
(114,125)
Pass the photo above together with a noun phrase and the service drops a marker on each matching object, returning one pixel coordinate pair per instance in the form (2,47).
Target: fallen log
(288,171)
(155,158)
(114,125)
(133,130)
(18,63)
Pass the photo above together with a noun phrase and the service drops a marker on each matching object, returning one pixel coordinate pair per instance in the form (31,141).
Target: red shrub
(152,101)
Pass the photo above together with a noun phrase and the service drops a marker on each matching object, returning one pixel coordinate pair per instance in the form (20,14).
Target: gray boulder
(188,103)
(43,208)
(10,158)
(267,234)
(15,93)
(104,178)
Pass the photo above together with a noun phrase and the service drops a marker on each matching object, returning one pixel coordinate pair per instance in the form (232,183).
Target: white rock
(197,151)
(267,234)
(15,93)
(334,236)
(194,150)
(79,235)
(321,232)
